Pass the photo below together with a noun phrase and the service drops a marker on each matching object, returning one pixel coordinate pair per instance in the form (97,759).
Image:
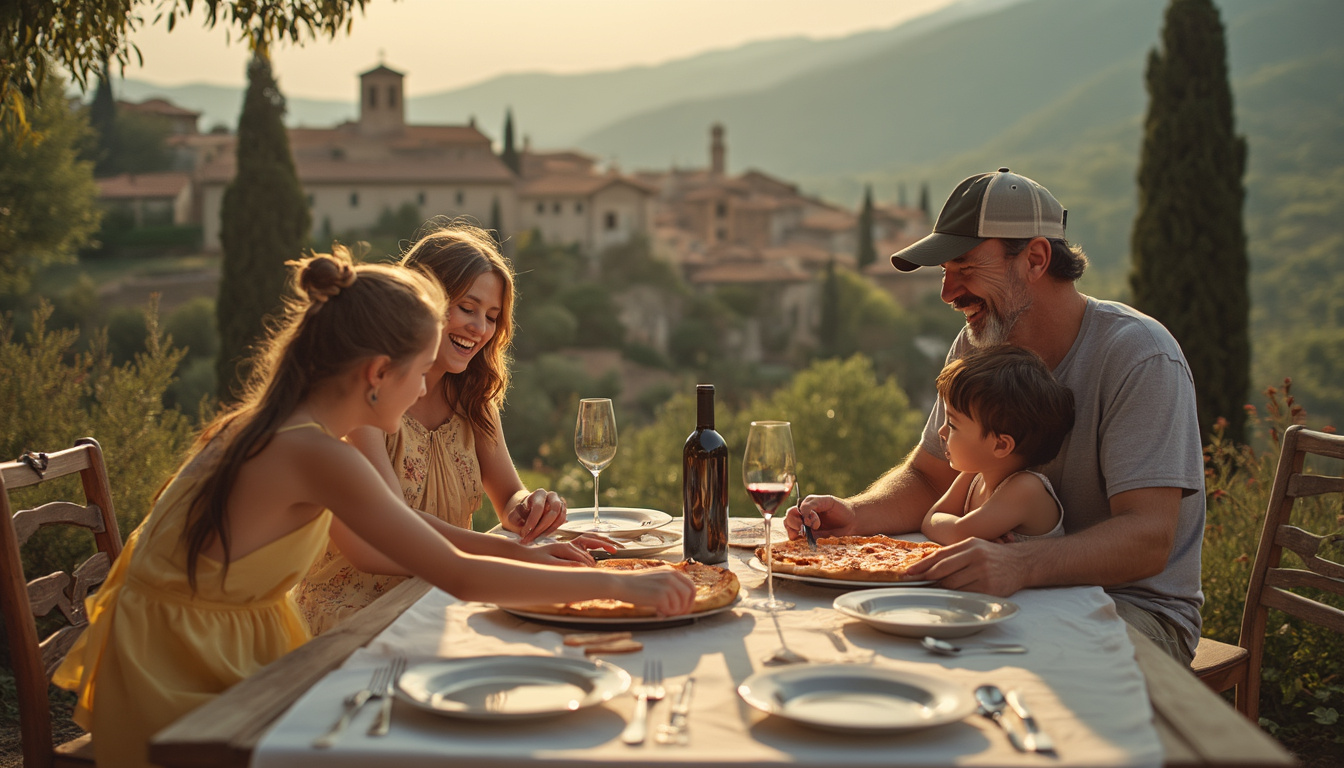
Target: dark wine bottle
(704,485)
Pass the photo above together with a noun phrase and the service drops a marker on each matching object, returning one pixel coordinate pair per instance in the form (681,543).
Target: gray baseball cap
(989,205)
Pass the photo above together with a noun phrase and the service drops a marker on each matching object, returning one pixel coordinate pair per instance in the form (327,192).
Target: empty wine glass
(769,470)
(595,444)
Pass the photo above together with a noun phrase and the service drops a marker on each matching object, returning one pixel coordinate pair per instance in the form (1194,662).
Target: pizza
(715,587)
(850,558)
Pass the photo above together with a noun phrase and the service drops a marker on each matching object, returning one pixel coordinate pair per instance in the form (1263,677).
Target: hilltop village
(719,228)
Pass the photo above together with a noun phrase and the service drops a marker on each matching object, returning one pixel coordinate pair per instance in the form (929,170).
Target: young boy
(1005,413)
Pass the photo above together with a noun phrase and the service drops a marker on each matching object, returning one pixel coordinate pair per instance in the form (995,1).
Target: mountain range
(1051,88)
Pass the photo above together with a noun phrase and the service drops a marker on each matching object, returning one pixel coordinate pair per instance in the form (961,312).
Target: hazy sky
(443,44)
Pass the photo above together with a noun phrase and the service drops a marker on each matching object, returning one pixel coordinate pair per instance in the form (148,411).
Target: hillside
(557,110)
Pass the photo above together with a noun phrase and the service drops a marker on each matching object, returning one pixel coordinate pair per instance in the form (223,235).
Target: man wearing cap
(1131,473)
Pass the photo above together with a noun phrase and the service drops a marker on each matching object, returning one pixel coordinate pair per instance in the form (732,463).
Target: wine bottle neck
(704,417)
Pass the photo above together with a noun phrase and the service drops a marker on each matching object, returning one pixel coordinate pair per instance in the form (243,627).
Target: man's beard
(999,322)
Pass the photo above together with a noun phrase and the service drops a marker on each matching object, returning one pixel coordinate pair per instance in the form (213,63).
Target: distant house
(593,210)
(756,230)
(355,172)
(179,121)
(148,199)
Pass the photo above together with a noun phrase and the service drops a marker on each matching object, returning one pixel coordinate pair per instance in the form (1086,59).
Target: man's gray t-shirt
(1135,427)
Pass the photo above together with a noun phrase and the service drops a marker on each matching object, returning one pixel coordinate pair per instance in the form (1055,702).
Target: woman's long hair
(339,316)
(455,255)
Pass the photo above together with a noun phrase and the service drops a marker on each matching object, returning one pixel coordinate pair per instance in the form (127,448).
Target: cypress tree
(867,252)
(1189,267)
(496,221)
(103,120)
(924,202)
(510,155)
(900,194)
(264,221)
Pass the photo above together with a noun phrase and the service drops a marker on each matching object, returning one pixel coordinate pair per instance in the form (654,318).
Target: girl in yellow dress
(198,598)
(448,449)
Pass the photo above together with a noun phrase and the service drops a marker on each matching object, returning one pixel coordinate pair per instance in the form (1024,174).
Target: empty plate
(854,699)
(921,612)
(624,519)
(510,687)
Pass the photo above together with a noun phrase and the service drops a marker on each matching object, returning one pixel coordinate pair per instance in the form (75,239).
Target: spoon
(944,648)
(992,704)
(783,654)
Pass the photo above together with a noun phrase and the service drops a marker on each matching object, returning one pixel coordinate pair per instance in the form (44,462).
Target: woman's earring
(373,396)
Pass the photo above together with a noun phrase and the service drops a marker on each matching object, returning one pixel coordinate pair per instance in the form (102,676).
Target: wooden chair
(23,601)
(1224,666)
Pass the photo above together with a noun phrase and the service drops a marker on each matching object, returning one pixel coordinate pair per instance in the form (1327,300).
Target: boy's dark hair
(1010,391)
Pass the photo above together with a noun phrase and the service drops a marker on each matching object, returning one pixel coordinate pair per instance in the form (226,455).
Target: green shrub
(51,394)
(849,427)
(1303,674)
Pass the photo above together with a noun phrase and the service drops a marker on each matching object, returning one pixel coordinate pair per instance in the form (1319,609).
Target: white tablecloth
(1079,677)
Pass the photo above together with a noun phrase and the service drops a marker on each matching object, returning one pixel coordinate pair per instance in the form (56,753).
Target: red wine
(704,486)
(768,495)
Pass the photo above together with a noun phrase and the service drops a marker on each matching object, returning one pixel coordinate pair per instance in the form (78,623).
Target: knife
(1036,740)
(675,731)
(807,529)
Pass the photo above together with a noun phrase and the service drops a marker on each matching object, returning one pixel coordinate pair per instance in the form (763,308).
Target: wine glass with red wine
(769,470)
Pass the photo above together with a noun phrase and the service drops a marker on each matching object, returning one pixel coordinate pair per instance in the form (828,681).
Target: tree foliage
(509,154)
(1189,243)
(867,252)
(80,37)
(54,394)
(48,200)
(264,222)
(849,427)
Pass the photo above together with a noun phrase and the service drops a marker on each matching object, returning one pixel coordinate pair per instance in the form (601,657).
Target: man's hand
(976,565)
(535,515)
(826,515)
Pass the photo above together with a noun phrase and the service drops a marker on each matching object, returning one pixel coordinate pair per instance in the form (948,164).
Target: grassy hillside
(952,89)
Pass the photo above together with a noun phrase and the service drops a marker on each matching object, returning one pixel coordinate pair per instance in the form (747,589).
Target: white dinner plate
(630,544)
(853,699)
(756,565)
(632,623)
(625,519)
(510,687)
(925,612)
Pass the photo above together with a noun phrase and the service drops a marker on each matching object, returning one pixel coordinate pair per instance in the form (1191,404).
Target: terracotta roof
(325,170)
(573,184)
(412,136)
(141,185)
(746,272)
(765,182)
(830,221)
(158,107)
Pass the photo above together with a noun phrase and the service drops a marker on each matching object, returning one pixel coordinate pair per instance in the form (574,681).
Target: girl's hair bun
(322,276)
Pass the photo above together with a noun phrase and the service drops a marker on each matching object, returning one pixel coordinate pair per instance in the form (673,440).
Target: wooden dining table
(1193,726)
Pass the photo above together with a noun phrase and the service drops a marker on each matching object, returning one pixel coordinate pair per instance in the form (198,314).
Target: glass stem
(769,567)
(597,519)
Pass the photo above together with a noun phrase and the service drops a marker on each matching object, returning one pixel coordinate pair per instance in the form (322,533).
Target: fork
(377,685)
(650,689)
(384,721)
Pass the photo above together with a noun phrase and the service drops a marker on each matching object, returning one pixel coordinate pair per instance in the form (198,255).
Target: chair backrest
(23,600)
(1271,583)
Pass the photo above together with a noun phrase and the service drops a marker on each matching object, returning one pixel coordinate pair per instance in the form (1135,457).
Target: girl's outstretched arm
(336,476)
